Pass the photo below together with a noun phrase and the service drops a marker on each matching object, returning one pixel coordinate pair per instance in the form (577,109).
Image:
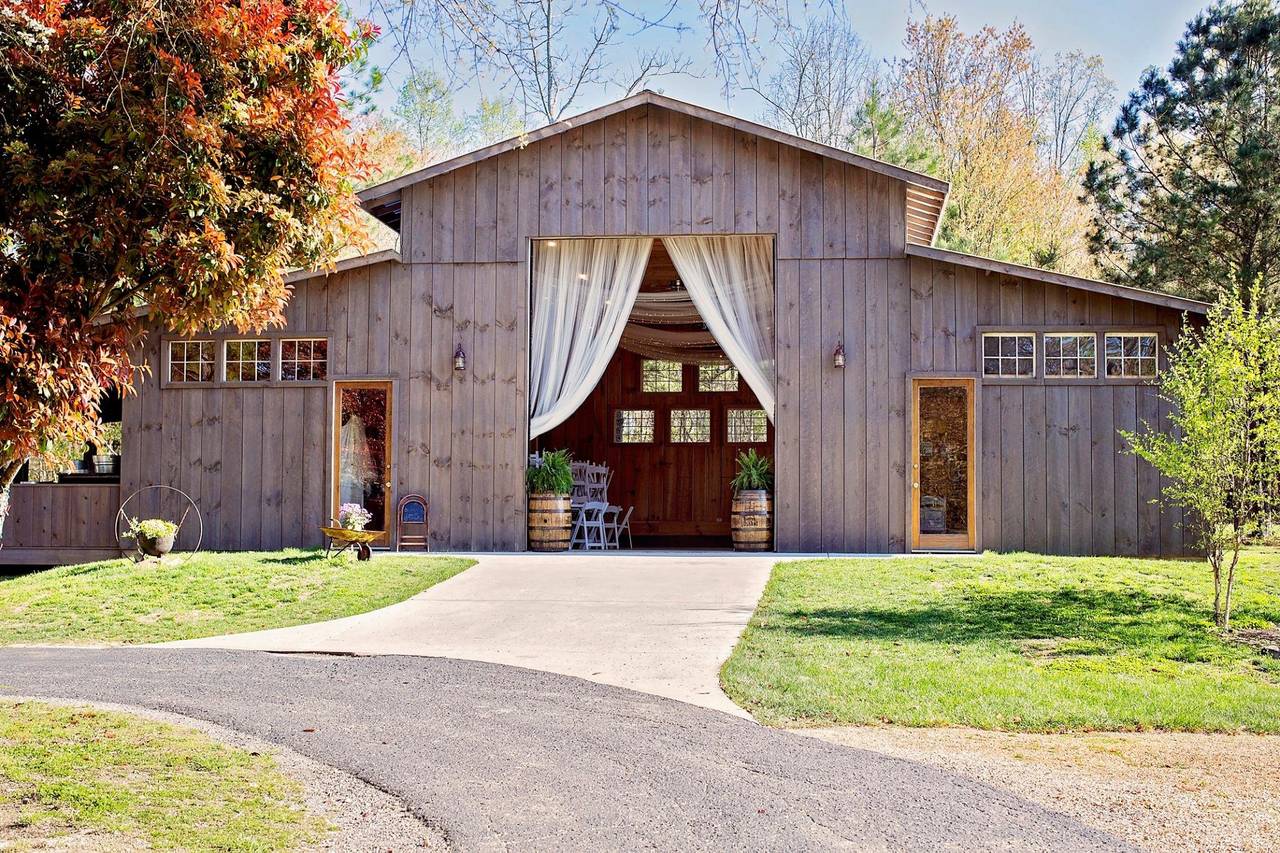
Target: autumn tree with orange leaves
(168,158)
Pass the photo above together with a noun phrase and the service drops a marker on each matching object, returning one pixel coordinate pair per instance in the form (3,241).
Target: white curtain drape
(583,291)
(730,280)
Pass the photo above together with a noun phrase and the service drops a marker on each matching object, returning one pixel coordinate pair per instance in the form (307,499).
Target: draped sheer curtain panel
(730,280)
(583,292)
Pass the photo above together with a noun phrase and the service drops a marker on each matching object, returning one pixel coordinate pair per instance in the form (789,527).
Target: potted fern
(752,512)
(549,478)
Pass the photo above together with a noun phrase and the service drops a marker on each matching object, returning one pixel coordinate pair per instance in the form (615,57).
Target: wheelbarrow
(358,539)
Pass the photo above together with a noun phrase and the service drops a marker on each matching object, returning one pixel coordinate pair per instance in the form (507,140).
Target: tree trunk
(1231,580)
(1215,562)
(8,471)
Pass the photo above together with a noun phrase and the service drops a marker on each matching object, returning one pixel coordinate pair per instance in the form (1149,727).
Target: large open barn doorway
(670,410)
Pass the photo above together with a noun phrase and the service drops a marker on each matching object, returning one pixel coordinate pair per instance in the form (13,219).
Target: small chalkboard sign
(411,523)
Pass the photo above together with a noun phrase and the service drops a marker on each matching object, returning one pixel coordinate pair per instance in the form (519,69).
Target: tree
(1064,101)
(961,94)
(546,53)
(1223,387)
(168,158)
(880,131)
(477,37)
(823,77)
(1187,193)
(425,112)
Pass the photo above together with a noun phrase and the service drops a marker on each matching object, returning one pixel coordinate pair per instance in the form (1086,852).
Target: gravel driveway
(500,757)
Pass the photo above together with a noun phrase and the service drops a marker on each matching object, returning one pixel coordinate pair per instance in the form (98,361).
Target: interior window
(747,426)
(633,426)
(661,376)
(717,377)
(690,426)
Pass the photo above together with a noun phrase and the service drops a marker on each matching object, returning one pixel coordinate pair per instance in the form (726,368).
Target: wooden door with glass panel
(942,465)
(362,450)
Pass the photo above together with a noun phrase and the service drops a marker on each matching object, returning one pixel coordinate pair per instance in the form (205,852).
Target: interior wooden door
(362,451)
(943,508)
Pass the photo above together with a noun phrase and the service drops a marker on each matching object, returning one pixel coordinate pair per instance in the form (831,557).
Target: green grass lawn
(1017,642)
(118,601)
(130,783)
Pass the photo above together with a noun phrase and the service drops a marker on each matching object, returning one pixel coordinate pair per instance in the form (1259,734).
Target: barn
(655,286)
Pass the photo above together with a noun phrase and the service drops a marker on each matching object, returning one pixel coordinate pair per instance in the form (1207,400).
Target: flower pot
(104,464)
(751,520)
(550,519)
(157,547)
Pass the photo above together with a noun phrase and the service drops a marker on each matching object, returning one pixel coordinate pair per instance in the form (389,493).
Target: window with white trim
(304,359)
(191,361)
(1011,354)
(747,426)
(661,376)
(633,426)
(1071,355)
(248,361)
(1132,354)
(690,426)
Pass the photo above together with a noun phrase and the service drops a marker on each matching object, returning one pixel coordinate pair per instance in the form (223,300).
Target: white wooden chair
(589,527)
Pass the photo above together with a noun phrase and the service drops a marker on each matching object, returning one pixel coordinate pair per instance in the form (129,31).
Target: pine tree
(1187,189)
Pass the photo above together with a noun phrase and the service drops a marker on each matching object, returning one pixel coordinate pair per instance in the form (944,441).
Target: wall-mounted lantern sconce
(459,359)
(837,358)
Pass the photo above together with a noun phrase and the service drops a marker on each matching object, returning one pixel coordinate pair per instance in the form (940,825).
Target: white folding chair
(614,527)
(588,527)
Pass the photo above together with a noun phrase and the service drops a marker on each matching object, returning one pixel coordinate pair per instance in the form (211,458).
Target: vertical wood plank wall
(1051,473)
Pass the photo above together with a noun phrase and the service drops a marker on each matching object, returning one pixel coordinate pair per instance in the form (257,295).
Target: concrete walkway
(661,624)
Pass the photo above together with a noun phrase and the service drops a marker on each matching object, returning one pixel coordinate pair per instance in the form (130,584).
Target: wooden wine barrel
(751,520)
(549,522)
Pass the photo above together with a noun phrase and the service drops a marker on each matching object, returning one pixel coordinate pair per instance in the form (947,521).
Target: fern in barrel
(751,519)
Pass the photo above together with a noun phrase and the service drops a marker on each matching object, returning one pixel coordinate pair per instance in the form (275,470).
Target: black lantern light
(459,359)
(837,358)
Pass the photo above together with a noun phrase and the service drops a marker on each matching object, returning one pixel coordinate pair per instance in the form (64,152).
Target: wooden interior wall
(678,490)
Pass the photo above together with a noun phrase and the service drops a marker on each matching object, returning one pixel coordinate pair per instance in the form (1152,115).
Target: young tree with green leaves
(1187,191)
(1223,386)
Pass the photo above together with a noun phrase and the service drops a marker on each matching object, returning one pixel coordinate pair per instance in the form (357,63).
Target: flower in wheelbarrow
(353,516)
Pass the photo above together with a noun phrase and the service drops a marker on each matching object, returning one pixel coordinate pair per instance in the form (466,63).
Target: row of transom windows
(1070,355)
(667,377)
(690,426)
(250,360)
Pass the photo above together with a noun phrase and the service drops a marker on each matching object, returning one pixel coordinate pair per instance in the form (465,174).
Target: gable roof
(1137,294)
(925,194)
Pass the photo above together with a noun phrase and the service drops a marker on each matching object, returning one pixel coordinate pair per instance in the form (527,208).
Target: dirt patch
(1162,791)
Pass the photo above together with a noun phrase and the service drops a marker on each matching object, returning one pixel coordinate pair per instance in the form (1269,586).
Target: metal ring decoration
(120,516)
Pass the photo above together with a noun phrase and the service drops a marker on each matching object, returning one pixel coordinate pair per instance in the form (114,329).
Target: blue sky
(1130,35)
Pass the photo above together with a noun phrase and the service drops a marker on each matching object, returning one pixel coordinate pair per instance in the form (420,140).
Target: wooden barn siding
(1053,476)
(656,172)
(841,436)
(257,458)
